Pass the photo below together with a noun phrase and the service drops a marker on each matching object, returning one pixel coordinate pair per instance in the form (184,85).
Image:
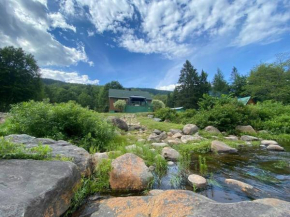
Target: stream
(254,166)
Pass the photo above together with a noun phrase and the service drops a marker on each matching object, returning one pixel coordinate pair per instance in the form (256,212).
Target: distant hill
(152,91)
(49,81)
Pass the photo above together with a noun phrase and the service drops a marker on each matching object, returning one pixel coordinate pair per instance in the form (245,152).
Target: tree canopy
(219,85)
(19,77)
(191,86)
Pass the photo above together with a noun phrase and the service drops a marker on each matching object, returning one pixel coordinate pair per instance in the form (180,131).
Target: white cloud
(175,28)
(69,77)
(168,87)
(27,25)
(67,7)
(58,21)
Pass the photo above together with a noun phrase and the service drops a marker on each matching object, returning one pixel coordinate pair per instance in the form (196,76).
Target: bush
(157,104)
(120,105)
(166,114)
(67,121)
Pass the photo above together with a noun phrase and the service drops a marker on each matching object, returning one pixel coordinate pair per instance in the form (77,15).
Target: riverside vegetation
(90,130)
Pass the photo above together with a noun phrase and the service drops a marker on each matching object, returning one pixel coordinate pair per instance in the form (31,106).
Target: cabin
(247,100)
(136,100)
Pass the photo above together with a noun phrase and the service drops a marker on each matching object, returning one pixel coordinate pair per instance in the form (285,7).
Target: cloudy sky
(143,43)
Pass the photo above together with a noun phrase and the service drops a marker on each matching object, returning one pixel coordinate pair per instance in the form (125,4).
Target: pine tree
(191,86)
(238,83)
(219,85)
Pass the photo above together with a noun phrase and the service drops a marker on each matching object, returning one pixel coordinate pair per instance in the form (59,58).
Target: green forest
(20,80)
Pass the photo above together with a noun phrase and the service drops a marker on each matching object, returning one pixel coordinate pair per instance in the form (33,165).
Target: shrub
(68,121)
(120,105)
(157,104)
(166,114)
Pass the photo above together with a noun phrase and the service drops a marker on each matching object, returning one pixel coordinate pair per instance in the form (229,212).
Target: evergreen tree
(219,85)
(191,86)
(238,83)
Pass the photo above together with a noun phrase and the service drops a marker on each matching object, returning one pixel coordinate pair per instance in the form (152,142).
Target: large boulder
(129,172)
(244,187)
(79,156)
(187,203)
(220,147)
(36,188)
(245,129)
(118,122)
(212,129)
(170,154)
(197,181)
(190,129)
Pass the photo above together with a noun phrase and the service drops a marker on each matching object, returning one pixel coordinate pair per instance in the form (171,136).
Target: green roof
(244,100)
(114,93)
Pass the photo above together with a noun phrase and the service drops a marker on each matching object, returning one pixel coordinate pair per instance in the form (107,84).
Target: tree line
(20,81)
(264,82)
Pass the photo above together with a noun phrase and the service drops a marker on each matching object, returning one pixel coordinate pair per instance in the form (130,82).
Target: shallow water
(254,166)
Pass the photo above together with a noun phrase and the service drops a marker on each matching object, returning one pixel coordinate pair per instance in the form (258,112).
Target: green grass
(283,164)
(163,126)
(10,150)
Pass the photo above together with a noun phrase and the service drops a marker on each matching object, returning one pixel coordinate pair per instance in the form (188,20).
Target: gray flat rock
(79,156)
(36,188)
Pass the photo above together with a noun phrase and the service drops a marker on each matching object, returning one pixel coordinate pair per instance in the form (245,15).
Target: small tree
(157,104)
(120,105)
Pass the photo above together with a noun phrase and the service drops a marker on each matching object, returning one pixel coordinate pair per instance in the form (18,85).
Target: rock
(263,131)
(3,117)
(249,138)
(155,192)
(157,119)
(232,137)
(150,116)
(177,135)
(36,188)
(174,131)
(135,127)
(220,147)
(170,163)
(129,172)
(269,142)
(190,129)
(163,135)
(170,154)
(187,138)
(169,134)
(173,141)
(141,140)
(245,129)
(98,157)
(197,181)
(275,148)
(244,187)
(211,129)
(118,122)
(154,138)
(157,145)
(158,132)
(187,203)
(79,156)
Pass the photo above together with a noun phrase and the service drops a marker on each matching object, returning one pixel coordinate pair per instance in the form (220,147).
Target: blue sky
(143,43)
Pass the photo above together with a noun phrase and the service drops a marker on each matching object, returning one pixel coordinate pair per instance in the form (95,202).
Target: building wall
(113,100)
